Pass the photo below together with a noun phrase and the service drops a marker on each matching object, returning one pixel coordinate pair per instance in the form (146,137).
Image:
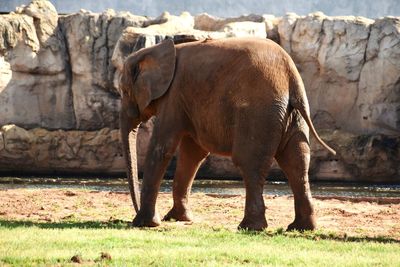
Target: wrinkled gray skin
(242,98)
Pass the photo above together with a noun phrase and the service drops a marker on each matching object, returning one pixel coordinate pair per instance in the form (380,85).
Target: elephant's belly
(216,142)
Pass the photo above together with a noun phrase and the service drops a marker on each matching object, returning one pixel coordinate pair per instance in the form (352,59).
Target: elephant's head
(146,76)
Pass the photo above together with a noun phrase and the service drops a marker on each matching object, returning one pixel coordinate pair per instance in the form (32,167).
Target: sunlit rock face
(350,68)
(91,39)
(59,98)
(34,83)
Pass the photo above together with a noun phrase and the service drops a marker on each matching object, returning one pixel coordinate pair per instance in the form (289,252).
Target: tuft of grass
(25,243)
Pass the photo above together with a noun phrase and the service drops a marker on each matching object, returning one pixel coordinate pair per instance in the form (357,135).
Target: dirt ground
(353,217)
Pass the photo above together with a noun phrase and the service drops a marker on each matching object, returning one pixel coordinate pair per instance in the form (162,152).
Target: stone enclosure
(59,97)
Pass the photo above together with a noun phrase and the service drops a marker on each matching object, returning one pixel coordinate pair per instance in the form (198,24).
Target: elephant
(236,97)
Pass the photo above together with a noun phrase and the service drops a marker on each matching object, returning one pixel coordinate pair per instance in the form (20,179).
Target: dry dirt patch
(355,218)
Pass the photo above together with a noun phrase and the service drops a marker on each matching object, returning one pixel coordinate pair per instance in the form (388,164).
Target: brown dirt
(353,217)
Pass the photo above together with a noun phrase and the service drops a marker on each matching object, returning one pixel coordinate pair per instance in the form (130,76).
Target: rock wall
(368,158)
(59,97)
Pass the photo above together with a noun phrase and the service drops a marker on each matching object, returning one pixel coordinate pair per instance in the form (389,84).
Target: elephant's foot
(146,220)
(253,224)
(303,224)
(176,214)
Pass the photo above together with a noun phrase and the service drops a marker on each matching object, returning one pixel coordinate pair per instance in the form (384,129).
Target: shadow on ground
(119,224)
(115,224)
(322,235)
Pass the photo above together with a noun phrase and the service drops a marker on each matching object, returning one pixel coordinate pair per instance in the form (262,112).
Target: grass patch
(33,243)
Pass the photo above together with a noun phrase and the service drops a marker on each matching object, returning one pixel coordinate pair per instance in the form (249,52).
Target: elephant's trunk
(129,136)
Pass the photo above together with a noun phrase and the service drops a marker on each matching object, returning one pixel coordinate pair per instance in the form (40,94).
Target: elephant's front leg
(191,155)
(161,149)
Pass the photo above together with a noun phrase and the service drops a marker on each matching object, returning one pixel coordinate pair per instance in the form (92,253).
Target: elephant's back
(250,46)
(234,66)
(218,80)
(239,43)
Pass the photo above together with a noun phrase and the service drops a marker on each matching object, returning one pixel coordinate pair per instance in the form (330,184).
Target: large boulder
(34,84)
(349,68)
(329,52)
(255,25)
(91,39)
(171,23)
(378,100)
(206,22)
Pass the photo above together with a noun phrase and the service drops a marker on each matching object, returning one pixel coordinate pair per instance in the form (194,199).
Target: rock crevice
(68,71)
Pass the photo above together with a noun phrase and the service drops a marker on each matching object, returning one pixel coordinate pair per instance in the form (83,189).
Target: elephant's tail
(298,100)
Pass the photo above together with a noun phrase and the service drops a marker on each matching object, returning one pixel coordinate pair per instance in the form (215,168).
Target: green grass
(31,243)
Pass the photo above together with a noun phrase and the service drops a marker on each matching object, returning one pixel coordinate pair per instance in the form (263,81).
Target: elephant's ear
(156,72)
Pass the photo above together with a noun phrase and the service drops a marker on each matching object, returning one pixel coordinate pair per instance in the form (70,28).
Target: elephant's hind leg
(191,155)
(254,213)
(294,161)
(253,153)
